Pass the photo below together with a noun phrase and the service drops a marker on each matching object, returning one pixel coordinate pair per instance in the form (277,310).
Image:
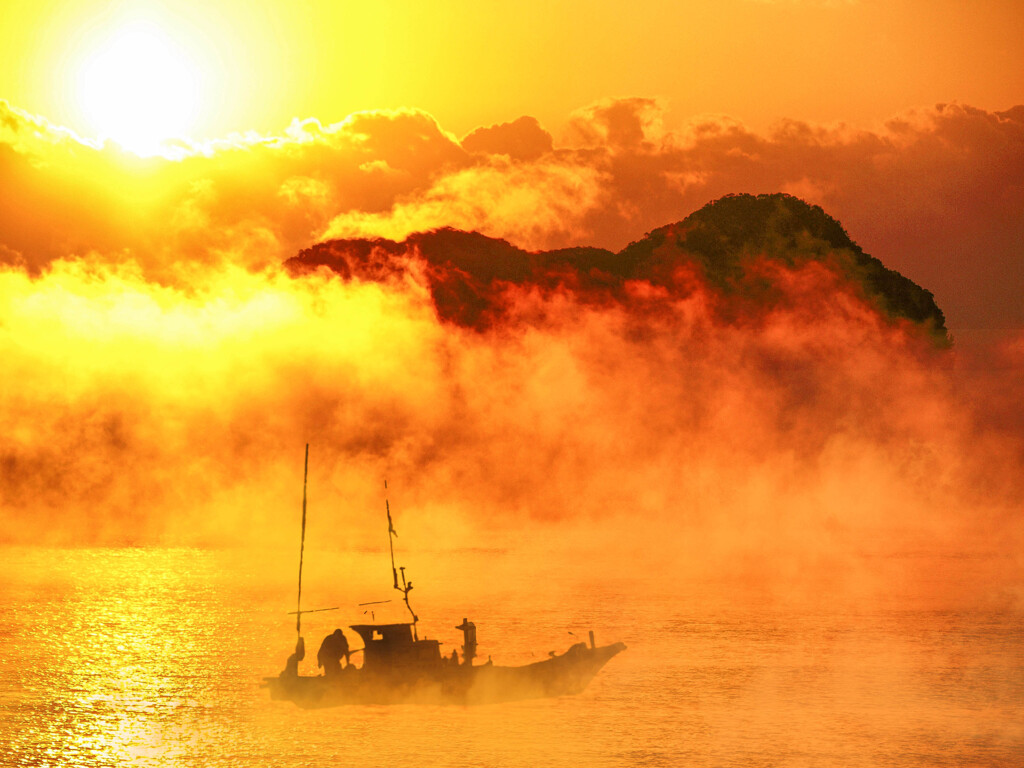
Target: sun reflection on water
(123,645)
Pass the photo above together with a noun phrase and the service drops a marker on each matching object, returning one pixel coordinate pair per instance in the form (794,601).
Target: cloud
(619,124)
(522,139)
(933,193)
(76,198)
(535,204)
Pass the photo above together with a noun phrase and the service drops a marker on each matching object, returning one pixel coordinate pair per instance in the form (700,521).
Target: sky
(160,162)
(259,64)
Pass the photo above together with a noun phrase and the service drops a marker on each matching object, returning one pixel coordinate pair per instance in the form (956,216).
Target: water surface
(153,657)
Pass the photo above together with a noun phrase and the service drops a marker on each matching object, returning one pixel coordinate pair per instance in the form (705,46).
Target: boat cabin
(391,646)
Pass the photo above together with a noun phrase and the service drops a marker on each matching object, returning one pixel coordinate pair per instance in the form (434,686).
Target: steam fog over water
(153,657)
(740,445)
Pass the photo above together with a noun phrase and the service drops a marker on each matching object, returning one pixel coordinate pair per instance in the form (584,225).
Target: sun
(138,88)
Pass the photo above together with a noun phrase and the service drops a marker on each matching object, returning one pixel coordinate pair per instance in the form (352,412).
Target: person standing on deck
(332,650)
(342,645)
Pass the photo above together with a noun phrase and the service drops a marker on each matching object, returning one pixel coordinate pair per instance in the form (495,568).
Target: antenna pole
(302,545)
(406,586)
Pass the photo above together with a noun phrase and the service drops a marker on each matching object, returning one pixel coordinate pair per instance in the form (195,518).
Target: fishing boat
(399,667)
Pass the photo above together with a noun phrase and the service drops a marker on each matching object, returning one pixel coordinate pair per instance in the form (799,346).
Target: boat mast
(406,586)
(302,546)
(391,535)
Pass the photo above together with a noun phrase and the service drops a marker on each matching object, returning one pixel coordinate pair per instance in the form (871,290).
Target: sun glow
(138,88)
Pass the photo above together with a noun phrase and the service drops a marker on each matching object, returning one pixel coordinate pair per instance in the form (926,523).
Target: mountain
(727,234)
(727,244)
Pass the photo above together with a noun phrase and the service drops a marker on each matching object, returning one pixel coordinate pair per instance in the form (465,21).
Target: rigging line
(312,610)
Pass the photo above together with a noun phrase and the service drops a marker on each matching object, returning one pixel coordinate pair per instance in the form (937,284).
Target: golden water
(153,657)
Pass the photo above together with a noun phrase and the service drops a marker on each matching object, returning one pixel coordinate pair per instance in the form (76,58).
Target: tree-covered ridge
(726,234)
(727,242)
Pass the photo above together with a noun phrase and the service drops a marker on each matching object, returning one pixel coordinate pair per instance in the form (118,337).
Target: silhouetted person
(342,644)
(291,667)
(332,650)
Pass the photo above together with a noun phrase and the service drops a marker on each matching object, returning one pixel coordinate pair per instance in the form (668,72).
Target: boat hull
(447,683)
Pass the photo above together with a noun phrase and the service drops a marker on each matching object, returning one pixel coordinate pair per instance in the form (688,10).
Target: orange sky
(263,62)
